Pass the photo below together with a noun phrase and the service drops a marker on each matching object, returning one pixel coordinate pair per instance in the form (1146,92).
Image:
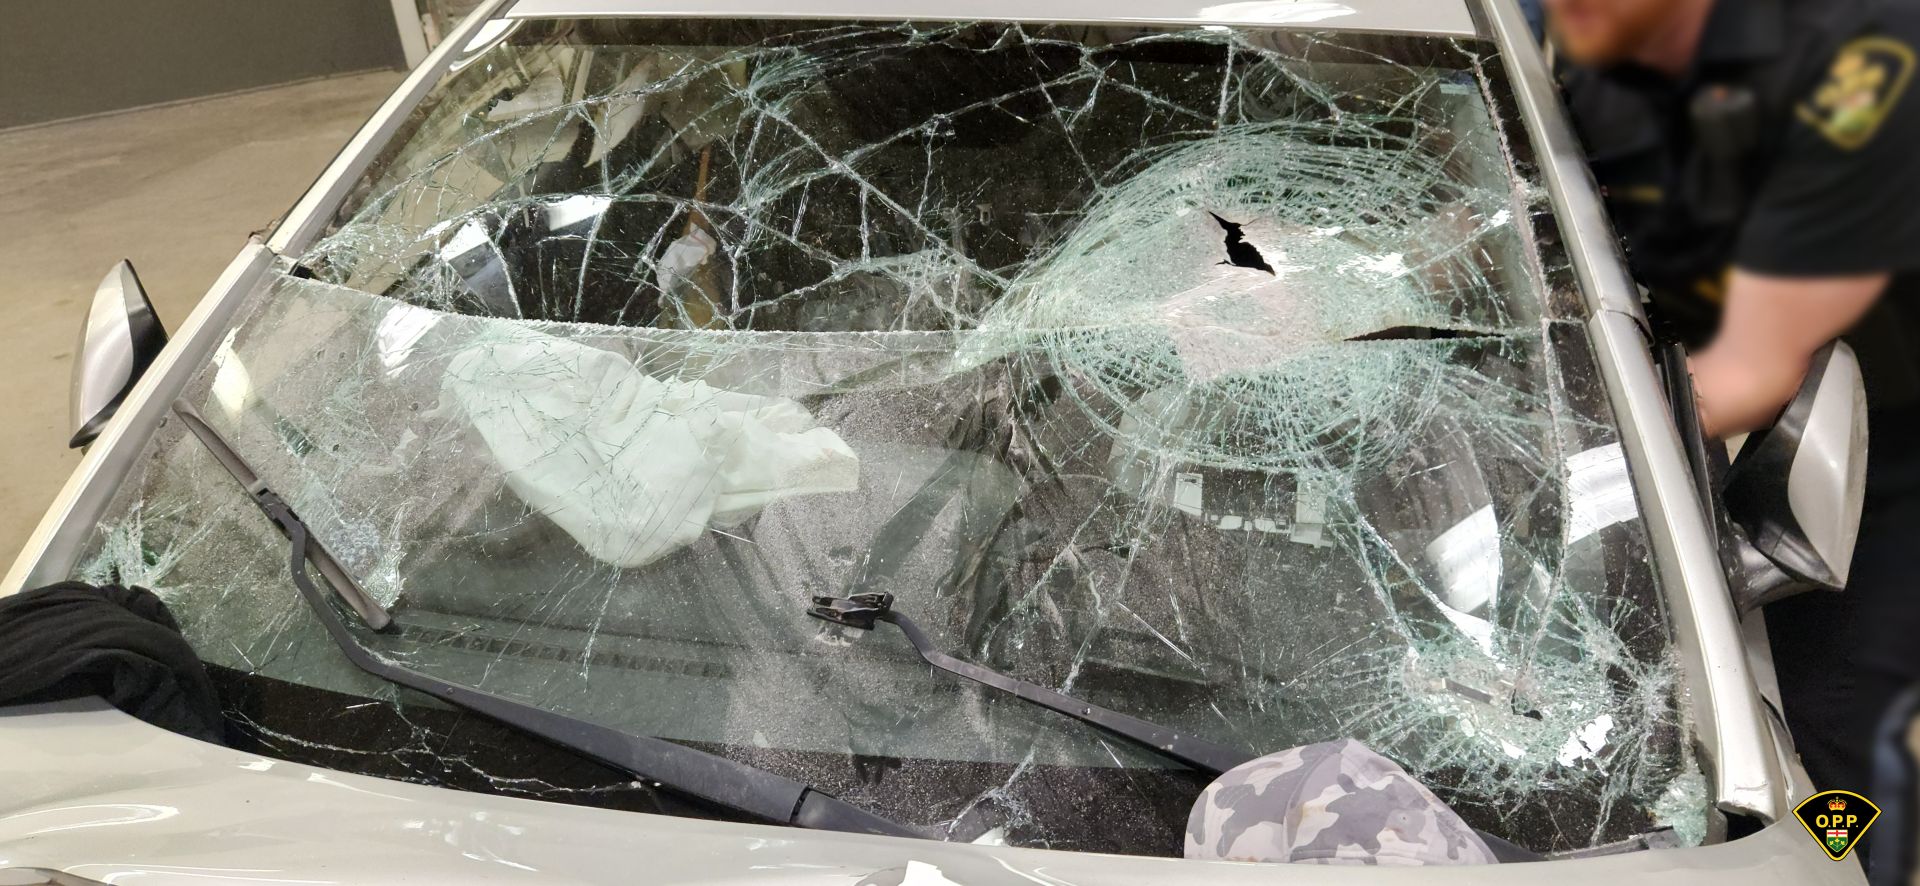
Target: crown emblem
(1837,804)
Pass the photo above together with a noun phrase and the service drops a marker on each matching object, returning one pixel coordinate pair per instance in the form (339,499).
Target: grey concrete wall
(67,58)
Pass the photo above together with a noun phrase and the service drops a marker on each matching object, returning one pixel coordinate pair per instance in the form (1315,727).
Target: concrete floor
(176,189)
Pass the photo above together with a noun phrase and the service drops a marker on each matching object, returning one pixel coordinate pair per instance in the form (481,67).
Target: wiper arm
(712,778)
(349,591)
(863,610)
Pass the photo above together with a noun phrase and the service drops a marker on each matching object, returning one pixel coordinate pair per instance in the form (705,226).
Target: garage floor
(176,189)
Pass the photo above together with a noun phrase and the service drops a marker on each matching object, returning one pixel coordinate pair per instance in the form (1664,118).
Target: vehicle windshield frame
(1489,78)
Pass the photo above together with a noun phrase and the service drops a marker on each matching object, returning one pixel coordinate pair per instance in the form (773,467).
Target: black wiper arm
(712,778)
(863,610)
(349,591)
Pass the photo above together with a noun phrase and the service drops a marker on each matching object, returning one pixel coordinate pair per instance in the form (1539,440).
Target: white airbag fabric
(631,466)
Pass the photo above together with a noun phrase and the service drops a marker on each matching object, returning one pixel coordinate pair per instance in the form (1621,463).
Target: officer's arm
(1769,330)
(1834,217)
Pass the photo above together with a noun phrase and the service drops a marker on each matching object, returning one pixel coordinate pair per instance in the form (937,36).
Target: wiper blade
(349,591)
(863,610)
(696,773)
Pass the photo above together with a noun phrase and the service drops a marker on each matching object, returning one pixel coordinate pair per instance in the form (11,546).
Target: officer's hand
(1769,330)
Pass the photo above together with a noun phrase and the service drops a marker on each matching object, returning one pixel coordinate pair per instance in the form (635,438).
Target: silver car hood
(96,793)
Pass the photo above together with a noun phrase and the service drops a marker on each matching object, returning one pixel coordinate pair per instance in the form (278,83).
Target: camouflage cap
(1331,803)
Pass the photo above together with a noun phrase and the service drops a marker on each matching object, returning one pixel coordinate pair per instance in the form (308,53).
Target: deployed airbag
(632,466)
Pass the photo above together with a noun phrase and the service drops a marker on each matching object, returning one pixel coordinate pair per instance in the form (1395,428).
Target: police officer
(1761,158)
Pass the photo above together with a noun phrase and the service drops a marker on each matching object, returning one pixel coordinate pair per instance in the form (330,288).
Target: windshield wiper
(861,611)
(696,773)
(349,591)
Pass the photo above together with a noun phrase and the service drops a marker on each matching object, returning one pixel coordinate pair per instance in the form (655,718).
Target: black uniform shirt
(1791,148)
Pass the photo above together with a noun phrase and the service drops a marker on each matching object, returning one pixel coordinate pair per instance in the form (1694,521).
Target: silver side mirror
(1795,491)
(120,339)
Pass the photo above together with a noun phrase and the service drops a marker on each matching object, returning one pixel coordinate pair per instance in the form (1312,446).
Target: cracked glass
(1226,377)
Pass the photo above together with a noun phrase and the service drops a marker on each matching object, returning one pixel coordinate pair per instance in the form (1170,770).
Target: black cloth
(74,640)
(1762,158)
(1782,152)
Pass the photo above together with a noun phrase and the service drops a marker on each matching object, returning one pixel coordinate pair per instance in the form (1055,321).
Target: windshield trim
(1446,18)
(1746,773)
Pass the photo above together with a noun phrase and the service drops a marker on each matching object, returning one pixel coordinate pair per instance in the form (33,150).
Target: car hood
(98,794)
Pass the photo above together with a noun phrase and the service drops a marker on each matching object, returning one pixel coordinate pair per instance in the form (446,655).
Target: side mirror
(120,339)
(1795,491)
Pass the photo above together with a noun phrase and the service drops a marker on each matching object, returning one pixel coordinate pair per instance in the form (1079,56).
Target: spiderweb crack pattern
(1369,491)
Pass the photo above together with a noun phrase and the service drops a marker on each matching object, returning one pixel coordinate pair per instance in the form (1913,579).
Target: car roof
(1446,17)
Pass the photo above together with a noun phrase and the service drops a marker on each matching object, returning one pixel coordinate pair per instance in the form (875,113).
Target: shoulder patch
(1867,78)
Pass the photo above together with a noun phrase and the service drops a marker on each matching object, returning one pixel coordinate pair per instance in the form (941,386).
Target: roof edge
(1449,18)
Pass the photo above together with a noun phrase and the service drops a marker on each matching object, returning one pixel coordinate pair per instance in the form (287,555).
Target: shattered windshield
(1223,377)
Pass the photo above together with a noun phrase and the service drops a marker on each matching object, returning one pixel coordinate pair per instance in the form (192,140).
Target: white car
(1177,383)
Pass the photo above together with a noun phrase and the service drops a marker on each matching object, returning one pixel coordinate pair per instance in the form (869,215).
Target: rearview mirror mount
(1795,491)
(119,340)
